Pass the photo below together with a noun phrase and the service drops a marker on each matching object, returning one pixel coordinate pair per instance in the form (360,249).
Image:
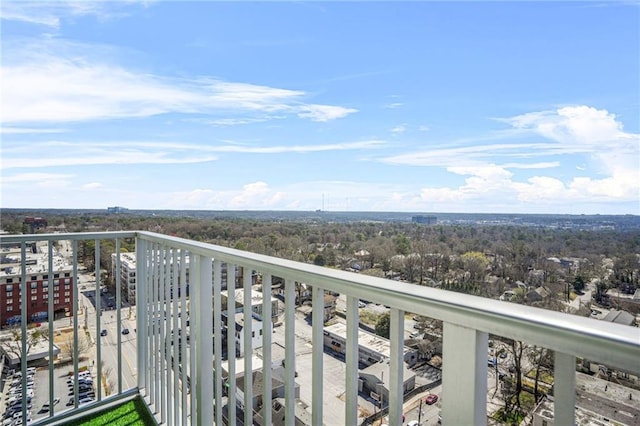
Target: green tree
(578,284)
(383,325)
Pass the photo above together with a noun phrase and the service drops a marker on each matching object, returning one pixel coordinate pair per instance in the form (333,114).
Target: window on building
(34,278)
(56,275)
(10,294)
(45,290)
(45,296)
(9,301)
(9,308)
(33,298)
(67,281)
(34,291)
(56,294)
(67,293)
(9,287)
(34,285)
(45,277)
(9,280)
(56,301)
(67,300)
(67,274)
(56,282)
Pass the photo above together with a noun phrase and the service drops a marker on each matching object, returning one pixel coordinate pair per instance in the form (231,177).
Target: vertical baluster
(51,333)
(185,336)
(290,354)
(118,315)
(204,354)
(267,325)
(231,343)
(351,359)
(248,347)
(98,319)
(564,385)
(175,330)
(75,318)
(142,304)
(217,340)
(396,366)
(317,325)
(464,375)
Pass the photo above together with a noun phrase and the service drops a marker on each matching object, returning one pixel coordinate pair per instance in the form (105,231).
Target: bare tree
(66,347)
(34,337)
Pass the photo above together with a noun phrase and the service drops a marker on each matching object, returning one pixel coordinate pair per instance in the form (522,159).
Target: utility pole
(420,412)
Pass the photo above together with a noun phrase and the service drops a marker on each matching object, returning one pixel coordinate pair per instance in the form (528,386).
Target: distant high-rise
(426,220)
(117,209)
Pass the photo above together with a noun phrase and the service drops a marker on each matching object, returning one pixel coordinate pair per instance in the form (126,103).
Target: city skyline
(353,106)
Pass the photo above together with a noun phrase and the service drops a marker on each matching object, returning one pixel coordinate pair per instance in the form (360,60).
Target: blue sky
(509,107)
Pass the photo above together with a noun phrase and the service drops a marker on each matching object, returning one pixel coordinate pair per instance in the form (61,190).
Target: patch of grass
(132,413)
(512,419)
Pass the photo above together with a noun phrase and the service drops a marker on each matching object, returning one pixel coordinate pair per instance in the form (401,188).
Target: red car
(432,398)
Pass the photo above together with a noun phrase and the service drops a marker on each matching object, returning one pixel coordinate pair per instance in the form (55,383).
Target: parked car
(125,331)
(91,395)
(81,390)
(103,332)
(431,399)
(45,406)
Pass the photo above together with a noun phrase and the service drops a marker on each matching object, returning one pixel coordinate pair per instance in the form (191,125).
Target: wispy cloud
(59,153)
(50,13)
(34,177)
(70,82)
(27,130)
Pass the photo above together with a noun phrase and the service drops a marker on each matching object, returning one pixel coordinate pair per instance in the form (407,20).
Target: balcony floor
(130,413)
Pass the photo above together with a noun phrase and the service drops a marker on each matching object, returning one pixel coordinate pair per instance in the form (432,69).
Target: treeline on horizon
(444,253)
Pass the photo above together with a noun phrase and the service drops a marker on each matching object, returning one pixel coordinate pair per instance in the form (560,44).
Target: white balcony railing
(191,391)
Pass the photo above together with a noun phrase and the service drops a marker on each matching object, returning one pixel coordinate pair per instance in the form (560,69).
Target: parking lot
(38,393)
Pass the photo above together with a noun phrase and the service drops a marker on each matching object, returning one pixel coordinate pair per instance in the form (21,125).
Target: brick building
(38,281)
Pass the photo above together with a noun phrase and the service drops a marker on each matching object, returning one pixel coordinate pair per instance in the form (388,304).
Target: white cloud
(324,113)
(92,185)
(424,128)
(69,82)
(256,195)
(401,128)
(394,105)
(568,130)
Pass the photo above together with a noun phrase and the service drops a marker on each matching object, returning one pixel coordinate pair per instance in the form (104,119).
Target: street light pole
(420,412)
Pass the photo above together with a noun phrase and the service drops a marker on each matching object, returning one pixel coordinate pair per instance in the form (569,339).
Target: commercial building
(371,348)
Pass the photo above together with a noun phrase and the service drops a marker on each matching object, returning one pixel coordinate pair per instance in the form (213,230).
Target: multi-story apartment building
(39,280)
(127,275)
